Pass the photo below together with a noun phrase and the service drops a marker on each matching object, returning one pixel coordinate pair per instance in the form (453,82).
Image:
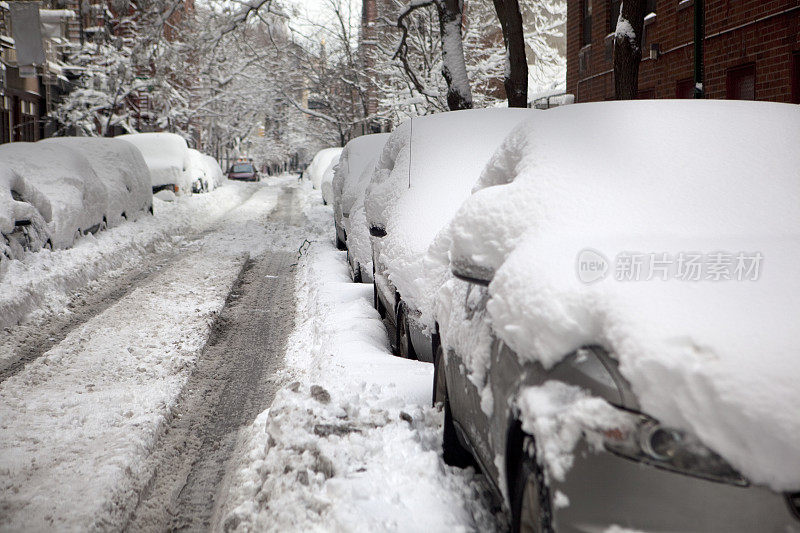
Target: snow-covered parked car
(319,164)
(213,171)
(348,184)
(22,227)
(427,168)
(62,185)
(618,341)
(167,157)
(326,184)
(122,170)
(197,171)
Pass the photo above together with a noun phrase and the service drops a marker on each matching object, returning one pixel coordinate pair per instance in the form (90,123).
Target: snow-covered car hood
(167,157)
(711,350)
(419,184)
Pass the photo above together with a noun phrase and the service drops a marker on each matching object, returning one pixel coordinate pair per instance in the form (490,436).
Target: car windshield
(243,167)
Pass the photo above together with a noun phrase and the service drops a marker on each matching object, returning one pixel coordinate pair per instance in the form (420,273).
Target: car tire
(404,347)
(531,510)
(357,277)
(453,452)
(340,245)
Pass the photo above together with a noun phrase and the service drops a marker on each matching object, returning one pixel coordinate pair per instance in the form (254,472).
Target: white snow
(121,169)
(714,358)
(167,157)
(319,164)
(326,184)
(350,179)
(418,186)
(352,444)
(205,168)
(61,183)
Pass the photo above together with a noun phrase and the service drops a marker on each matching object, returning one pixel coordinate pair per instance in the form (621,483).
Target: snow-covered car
(122,170)
(243,171)
(197,172)
(427,168)
(22,227)
(319,164)
(357,155)
(326,185)
(617,345)
(213,171)
(62,185)
(167,157)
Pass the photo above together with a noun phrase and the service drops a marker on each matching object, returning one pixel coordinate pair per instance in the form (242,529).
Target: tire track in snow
(235,380)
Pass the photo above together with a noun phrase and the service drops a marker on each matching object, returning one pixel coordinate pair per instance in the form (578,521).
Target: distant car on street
(243,171)
(596,392)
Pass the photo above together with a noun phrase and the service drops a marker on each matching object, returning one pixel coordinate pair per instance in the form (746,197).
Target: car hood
(715,355)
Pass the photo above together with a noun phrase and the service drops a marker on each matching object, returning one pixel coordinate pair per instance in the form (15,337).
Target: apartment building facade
(751,49)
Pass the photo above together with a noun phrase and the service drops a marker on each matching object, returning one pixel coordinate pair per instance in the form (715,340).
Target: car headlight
(647,441)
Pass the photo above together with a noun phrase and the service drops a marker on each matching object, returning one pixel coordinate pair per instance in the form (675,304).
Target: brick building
(752,49)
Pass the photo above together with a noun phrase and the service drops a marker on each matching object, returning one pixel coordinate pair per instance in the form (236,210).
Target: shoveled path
(234,381)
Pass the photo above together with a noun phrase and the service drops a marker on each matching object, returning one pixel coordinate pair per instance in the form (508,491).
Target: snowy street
(147,410)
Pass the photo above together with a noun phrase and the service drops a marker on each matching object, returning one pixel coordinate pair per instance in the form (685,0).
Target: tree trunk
(628,48)
(516,80)
(454,68)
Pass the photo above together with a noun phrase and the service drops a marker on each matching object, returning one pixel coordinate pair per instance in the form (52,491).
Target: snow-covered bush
(694,244)
(319,164)
(167,157)
(122,170)
(61,184)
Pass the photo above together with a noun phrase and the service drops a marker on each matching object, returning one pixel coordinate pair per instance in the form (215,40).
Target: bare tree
(454,68)
(516,78)
(628,48)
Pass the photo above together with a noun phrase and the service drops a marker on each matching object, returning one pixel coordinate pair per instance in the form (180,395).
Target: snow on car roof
(350,179)
(669,232)
(166,155)
(319,163)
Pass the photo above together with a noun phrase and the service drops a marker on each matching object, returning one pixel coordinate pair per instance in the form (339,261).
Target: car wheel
(48,245)
(453,452)
(404,346)
(340,245)
(150,209)
(357,277)
(530,501)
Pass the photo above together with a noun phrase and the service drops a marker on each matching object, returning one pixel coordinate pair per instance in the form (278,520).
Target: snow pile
(61,183)
(13,210)
(319,164)
(713,356)
(419,185)
(352,445)
(167,157)
(327,181)
(122,170)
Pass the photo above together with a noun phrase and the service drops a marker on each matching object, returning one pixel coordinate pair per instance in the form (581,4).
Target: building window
(613,14)
(684,88)
(741,84)
(586,22)
(796,77)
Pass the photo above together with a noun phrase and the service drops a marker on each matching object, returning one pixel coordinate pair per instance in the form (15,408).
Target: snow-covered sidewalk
(351,444)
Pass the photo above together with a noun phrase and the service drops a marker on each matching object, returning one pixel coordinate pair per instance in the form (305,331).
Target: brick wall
(764,33)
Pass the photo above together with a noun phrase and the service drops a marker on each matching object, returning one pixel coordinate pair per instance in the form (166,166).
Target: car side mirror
(470,272)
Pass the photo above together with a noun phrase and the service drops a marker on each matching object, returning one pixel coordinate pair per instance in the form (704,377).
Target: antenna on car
(410,146)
